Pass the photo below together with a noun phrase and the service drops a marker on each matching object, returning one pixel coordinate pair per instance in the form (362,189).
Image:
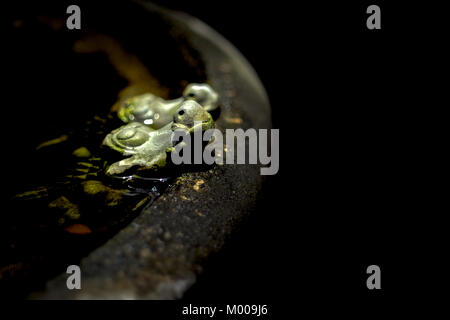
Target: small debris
(34,194)
(145,253)
(235,120)
(198,213)
(112,196)
(72,211)
(82,153)
(93,187)
(141,203)
(78,229)
(60,139)
(198,184)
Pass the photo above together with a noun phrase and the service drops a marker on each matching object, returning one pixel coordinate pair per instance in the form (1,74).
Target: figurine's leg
(158,160)
(122,165)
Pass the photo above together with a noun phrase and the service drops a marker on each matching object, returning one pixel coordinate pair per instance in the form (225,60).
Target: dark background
(325,217)
(352,108)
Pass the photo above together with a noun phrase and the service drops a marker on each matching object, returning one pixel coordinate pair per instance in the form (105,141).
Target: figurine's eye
(181,112)
(191,95)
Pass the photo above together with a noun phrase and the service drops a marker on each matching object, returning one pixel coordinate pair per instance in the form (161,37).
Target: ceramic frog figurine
(156,112)
(148,147)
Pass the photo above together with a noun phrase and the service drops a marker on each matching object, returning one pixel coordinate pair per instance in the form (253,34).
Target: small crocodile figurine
(147,147)
(156,112)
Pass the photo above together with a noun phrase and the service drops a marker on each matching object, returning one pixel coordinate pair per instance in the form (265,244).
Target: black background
(351,106)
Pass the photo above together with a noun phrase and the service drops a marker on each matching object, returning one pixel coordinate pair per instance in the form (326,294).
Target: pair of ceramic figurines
(151,121)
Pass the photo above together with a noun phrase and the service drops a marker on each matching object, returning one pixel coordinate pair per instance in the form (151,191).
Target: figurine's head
(191,114)
(202,94)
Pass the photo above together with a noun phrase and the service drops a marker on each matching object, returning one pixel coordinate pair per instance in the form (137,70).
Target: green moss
(60,139)
(82,152)
(62,203)
(93,187)
(34,194)
(112,196)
